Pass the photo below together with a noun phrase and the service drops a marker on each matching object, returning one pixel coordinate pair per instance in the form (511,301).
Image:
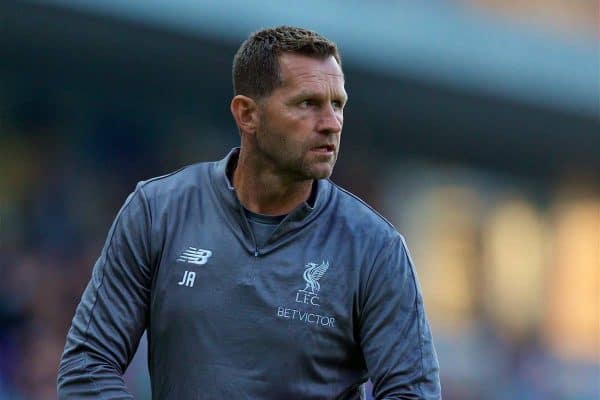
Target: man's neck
(263,191)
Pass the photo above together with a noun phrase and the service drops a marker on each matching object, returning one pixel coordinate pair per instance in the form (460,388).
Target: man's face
(301,120)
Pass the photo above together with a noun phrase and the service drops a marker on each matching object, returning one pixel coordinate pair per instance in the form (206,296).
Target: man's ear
(245,112)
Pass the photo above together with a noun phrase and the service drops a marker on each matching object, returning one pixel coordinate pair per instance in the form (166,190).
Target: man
(255,276)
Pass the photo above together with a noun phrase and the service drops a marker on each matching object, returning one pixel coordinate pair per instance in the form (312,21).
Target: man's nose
(331,120)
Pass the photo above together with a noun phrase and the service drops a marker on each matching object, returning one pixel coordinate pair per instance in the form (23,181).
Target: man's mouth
(327,148)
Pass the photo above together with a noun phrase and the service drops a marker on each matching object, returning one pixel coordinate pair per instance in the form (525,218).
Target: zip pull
(256,253)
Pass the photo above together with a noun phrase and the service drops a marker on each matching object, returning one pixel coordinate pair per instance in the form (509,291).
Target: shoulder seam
(148,210)
(157,178)
(104,256)
(361,201)
(418,310)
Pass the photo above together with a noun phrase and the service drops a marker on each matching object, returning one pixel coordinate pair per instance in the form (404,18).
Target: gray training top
(328,301)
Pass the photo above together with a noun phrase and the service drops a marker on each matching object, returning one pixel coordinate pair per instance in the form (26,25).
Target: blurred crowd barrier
(510,273)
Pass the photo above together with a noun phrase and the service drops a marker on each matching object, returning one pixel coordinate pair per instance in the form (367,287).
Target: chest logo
(195,256)
(312,274)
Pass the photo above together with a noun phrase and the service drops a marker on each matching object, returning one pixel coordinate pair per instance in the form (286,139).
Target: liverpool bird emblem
(312,274)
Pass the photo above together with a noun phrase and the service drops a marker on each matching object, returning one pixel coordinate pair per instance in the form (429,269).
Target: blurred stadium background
(472,125)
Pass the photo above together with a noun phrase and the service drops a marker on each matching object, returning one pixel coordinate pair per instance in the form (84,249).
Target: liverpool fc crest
(312,274)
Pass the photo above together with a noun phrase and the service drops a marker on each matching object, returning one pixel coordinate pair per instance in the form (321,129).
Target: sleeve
(394,332)
(112,314)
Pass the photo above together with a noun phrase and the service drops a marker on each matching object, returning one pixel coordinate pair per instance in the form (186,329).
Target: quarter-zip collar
(233,211)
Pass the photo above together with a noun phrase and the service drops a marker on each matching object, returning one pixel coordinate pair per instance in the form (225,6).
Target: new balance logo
(195,256)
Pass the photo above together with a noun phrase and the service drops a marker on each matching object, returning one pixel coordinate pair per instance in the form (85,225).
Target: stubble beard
(295,164)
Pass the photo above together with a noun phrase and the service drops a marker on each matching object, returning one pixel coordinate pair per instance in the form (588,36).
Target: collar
(234,211)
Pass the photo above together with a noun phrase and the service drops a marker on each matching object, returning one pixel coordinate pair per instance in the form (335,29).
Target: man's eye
(306,103)
(337,105)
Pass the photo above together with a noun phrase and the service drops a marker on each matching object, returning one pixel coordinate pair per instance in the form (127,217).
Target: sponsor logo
(308,295)
(195,256)
(192,256)
(306,317)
